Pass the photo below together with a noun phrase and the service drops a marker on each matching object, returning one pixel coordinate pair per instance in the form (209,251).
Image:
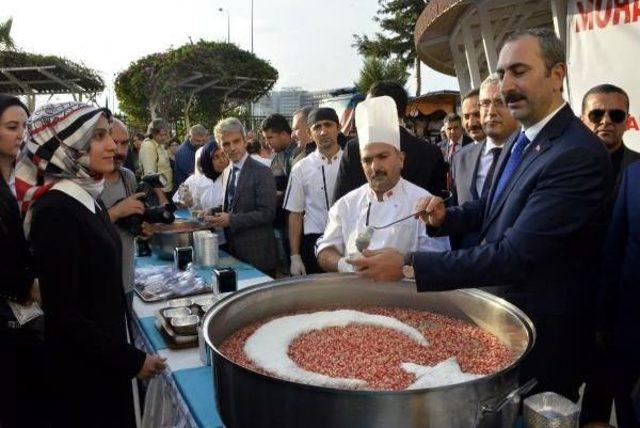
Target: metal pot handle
(521,390)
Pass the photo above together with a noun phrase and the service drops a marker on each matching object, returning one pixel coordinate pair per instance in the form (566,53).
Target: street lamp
(228,23)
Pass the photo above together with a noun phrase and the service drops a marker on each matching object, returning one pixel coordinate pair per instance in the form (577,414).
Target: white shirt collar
(241,162)
(490,144)
(76,192)
(389,194)
(533,131)
(322,158)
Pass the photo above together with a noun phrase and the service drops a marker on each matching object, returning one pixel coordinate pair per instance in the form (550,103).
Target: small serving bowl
(176,312)
(187,325)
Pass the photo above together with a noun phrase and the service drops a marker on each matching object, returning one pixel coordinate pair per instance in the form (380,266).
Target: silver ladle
(364,238)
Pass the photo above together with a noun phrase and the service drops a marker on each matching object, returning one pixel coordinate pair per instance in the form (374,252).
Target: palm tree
(377,69)
(6,41)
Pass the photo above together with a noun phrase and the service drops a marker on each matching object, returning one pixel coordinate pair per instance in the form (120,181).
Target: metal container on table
(246,398)
(167,237)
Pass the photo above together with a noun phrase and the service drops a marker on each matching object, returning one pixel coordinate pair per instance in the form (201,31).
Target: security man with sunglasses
(605,109)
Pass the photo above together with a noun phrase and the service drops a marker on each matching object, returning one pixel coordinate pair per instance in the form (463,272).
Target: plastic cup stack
(206,248)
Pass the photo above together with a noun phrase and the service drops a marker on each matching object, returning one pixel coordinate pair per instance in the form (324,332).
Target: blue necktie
(231,187)
(512,164)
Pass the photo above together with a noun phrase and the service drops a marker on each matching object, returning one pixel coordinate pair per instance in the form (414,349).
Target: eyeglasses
(616,115)
(486,103)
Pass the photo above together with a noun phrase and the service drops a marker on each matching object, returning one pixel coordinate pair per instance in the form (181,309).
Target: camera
(153,211)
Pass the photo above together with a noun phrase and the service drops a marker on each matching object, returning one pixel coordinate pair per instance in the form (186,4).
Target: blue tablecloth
(192,380)
(196,386)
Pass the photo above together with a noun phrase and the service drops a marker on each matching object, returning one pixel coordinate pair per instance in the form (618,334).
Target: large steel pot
(246,398)
(167,237)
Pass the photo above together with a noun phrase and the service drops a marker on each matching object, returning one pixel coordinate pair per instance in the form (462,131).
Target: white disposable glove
(297,267)
(345,267)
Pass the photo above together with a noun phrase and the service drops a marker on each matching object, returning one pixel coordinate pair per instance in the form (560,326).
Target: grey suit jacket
(251,215)
(464,170)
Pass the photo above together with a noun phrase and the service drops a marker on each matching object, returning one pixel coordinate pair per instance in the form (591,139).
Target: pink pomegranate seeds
(374,354)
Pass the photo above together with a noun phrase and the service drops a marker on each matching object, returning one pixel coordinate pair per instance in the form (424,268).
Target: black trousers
(308,253)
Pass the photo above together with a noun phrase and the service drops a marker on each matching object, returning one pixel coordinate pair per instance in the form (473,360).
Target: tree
(6,41)
(195,82)
(377,69)
(397,18)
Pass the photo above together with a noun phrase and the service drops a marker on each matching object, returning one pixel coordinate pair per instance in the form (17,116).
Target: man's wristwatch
(407,268)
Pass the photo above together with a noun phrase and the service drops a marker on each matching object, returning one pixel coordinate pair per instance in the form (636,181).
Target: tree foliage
(6,41)
(377,69)
(194,83)
(397,19)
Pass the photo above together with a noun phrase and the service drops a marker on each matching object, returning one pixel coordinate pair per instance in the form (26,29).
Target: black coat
(423,166)
(15,277)
(90,365)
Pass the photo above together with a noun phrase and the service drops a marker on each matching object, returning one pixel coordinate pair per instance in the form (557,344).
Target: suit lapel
(478,155)
(539,145)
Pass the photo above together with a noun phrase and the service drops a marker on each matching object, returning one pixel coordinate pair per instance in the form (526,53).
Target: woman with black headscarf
(21,356)
(77,255)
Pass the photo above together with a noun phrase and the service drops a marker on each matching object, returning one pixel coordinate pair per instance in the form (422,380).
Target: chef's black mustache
(513,97)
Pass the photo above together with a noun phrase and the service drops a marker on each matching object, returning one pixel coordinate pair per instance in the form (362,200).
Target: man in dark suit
(250,200)
(423,164)
(621,280)
(541,225)
(605,110)
(473,167)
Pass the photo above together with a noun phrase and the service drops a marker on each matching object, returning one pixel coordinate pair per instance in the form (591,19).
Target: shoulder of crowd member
(56,204)
(128,176)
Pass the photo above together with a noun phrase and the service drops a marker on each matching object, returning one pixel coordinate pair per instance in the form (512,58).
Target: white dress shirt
(310,189)
(485,164)
(533,131)
(360,208)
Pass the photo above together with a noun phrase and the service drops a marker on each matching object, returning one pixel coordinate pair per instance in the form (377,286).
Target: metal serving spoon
(364,238)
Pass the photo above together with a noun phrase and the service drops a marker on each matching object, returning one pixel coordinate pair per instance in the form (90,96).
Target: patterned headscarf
(57,147)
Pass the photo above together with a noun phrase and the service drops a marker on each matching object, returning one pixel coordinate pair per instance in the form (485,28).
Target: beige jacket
(154,158)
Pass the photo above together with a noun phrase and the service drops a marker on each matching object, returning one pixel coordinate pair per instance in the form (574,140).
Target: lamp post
(228,23)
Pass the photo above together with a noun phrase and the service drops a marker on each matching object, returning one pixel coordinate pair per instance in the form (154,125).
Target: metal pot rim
(283,282)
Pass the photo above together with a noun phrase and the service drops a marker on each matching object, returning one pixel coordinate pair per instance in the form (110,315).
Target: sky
(308,42)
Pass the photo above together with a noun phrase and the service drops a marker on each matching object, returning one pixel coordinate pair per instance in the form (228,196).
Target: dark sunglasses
(616,116)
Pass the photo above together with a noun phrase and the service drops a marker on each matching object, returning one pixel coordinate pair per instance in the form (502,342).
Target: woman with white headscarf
(77,254)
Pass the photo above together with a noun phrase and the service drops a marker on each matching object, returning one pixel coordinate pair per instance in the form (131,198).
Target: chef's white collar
(389,194)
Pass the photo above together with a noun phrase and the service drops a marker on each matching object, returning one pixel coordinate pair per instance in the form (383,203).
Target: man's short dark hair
(276,123)
(452,117)
(472,93)
(605,88)
(394,90)
(139,136)
(551,46)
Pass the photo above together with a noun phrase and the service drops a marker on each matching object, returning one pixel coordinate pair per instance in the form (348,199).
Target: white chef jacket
(310,189)
(351,214)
